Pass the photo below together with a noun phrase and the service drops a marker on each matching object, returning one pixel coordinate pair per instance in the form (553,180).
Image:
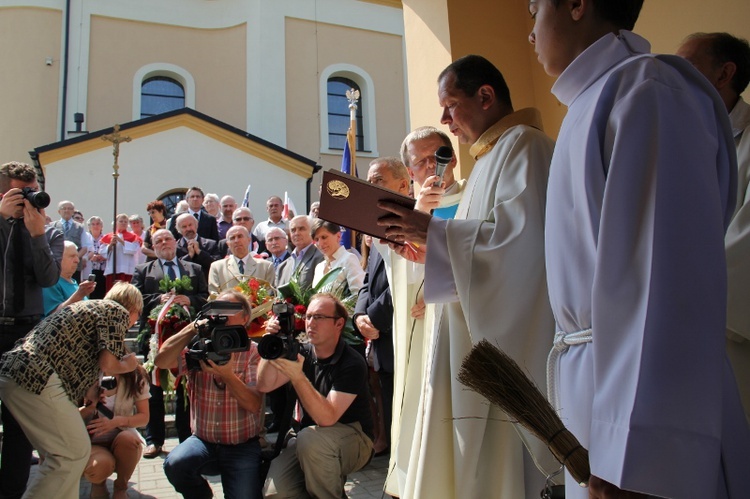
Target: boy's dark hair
(621,13)
(723,48)
(473,71)
(15,170)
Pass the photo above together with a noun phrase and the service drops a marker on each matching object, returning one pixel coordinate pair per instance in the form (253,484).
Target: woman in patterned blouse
(49,370)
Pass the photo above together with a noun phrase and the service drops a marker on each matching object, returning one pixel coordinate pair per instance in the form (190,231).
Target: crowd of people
(624,247)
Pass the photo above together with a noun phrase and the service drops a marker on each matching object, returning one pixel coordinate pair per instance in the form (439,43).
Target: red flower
(300,309)
(299,324)
(152,322)
(254,284)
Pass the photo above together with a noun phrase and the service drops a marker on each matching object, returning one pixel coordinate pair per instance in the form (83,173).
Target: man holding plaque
(485,273)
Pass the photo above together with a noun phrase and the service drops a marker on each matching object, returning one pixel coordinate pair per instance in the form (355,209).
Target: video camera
(214,340)
(284,344)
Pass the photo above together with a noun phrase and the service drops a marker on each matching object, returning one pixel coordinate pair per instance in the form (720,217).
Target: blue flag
(348,166)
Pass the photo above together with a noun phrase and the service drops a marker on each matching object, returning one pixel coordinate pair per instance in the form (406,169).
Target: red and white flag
(288,207)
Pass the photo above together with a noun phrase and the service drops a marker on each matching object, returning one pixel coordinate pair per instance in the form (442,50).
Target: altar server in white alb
(725,60)
(485,271)
(641,189)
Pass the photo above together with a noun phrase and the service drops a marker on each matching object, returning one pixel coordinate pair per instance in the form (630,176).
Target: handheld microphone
(443,156)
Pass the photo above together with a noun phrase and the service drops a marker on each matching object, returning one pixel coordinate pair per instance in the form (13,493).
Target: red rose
(299,324)
(152,322)
(300,309)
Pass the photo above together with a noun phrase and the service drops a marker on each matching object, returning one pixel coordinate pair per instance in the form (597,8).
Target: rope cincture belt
(562,342)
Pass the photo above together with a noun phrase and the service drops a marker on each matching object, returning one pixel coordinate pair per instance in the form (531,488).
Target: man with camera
(330,380)
(225,411)
(31,255)
(146,278)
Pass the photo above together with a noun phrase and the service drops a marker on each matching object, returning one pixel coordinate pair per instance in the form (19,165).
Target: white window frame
(176,73)
(367,88)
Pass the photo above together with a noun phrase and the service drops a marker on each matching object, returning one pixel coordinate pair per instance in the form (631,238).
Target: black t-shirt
(345,371)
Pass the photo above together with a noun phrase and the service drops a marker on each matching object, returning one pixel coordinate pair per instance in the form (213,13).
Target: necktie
(276,261)
(197,217)
(170,271)
(67,226)
(241,265)
(19,292)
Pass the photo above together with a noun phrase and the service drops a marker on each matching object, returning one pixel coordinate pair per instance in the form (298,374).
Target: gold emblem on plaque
(337,189)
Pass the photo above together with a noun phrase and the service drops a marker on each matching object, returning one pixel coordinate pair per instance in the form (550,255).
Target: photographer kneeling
(224,415)
(330,380)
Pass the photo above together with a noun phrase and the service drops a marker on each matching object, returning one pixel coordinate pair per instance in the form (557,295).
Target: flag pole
(349,159)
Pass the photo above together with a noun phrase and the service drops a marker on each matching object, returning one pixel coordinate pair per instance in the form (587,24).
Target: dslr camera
(38,199)
(108,383)
(284,344)
(215,340)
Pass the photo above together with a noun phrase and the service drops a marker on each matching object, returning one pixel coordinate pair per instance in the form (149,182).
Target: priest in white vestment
(725,61)
(485,271)
(642,186)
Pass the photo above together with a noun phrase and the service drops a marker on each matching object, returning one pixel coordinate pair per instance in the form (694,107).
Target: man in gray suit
(304,257)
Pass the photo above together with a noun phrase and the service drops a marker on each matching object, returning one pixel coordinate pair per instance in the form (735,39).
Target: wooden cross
(116,139)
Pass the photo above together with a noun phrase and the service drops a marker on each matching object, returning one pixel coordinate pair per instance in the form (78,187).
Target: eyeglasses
(243,219)
(319,317)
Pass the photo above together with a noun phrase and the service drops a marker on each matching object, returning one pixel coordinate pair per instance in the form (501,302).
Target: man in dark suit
(207,226)
(146,278)
(193,248)
(244,217)
(305,255)
(373,313)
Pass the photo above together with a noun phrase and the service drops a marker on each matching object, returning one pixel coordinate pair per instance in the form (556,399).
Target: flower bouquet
(165,320)
(300,297)
(260,294)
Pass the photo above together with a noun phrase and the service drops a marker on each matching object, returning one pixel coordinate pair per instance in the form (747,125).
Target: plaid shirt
(215,415)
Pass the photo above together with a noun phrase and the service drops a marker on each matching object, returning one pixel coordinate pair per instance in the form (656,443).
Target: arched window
(171,198)
(339,116)
(334,81)
(161,87)
(160,94)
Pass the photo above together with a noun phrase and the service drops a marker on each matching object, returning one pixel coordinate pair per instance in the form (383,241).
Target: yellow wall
(215,58)
(438,31)
(312,47)
(30,99)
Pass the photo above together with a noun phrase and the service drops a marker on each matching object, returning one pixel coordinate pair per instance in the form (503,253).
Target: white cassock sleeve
(658,295)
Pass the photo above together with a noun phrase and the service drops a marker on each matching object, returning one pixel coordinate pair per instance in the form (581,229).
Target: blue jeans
(238,465)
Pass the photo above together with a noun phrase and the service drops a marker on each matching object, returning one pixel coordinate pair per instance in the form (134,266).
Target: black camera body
(38,199)
(284,344)
(108,383)
(215,341)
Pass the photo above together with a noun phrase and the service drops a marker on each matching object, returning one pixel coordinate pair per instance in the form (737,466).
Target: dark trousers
(15,462)
(386,391)
(277,402)
(101,286)
(156,429)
